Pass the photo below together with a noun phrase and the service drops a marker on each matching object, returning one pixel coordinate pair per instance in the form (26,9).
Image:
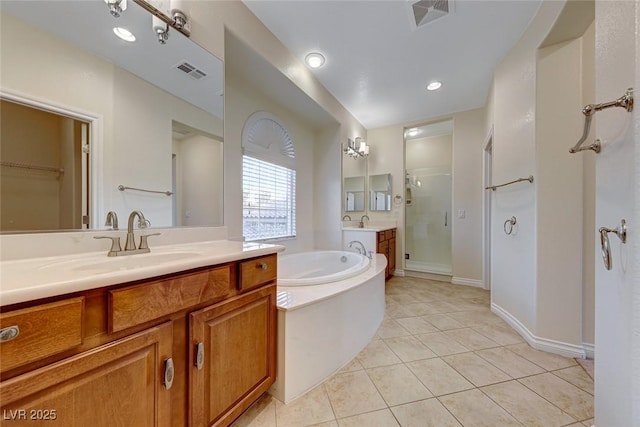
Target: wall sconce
(161,29)
(116,7)
(356,148)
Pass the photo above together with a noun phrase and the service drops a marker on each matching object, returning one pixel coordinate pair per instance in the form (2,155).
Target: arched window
(268,179)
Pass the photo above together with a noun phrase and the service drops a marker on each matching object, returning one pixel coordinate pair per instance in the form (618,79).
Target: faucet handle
(143,240)
(115,244)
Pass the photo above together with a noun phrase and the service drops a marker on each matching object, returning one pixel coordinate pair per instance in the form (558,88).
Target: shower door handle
(446,214)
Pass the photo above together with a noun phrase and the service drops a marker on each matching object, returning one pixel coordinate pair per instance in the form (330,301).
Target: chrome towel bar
(166,193)
(625,101)
(493,187)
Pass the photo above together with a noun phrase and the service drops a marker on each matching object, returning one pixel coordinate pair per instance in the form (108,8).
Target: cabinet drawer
(137,304)
(42,331)
(388,234)
(257,272)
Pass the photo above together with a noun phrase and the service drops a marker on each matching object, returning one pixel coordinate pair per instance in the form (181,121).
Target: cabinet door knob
(200,355)
(263,266)
(9,333)
(168,373)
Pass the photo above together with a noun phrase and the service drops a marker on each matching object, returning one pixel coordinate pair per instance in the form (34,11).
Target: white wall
(387,156)
(242,100)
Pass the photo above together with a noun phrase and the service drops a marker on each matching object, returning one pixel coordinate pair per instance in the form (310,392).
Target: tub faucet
(360,249)
(361,225)
(112,220)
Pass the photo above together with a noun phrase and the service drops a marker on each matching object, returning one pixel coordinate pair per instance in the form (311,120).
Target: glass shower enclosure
(428,199)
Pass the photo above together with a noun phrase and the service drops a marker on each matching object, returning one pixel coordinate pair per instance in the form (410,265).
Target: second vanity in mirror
(85,113)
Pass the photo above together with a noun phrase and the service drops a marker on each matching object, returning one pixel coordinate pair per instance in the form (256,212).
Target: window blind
(268,200)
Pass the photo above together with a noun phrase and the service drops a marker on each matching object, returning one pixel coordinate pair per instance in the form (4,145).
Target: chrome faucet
(361,249)
(361,224)
(112,220)
(130,246)
(346,217)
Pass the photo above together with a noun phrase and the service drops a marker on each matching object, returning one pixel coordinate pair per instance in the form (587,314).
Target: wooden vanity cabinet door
(117,384)
(239,364)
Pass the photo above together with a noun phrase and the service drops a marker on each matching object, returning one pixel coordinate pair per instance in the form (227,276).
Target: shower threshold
(428,267)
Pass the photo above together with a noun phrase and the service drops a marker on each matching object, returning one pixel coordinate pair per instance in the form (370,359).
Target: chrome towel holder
(508,225)
(493,187)
(625,101)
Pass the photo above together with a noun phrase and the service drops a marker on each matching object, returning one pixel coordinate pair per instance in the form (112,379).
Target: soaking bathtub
(330,305)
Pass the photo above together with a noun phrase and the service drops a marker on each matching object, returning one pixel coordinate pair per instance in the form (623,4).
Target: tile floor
(440,359)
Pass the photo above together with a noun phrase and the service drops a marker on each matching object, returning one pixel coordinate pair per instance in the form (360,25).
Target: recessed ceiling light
(314,59)
(434,85)
(124,34)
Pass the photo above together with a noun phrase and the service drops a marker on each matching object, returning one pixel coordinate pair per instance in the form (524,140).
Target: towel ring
(508,225)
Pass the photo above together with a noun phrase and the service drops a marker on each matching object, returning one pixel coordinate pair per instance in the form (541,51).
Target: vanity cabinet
(386,245)
(194,348)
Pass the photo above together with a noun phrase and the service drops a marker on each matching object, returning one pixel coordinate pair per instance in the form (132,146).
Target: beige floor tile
(312,408)
(442,307)
(526,406)
(474,409)
(475,369)
(566,396)
(261,414)
(353,393)
(377,353)
(588,366)
(439,377)
(441,344)
(352,366)
(509,362)
(548,361)
(442,321)
(589,423)
(418,309)
(425,413)
(578,377)
(403,298)
(471,339)
(416,325)
(575,425)
(477,318)
(327,424)
(398,385)
(503,335)
(382,418)
(409,348)
(390,328)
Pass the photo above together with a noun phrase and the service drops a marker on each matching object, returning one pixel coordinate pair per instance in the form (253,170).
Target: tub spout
(360,249)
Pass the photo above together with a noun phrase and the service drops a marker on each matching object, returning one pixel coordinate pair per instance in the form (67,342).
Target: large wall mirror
(354,172)
(92,123)
(380,192)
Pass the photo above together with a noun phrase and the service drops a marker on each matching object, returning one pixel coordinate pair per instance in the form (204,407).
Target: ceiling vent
(425,11)
(191,70)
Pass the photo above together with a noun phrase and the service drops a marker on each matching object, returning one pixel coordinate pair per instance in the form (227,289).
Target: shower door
(428,220)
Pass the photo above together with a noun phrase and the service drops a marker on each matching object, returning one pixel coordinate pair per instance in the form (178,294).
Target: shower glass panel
(428,219)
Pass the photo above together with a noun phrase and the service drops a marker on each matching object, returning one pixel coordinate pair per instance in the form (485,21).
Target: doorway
(428,198)
(487,182)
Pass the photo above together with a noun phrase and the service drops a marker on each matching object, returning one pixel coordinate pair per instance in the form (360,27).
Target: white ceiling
(378,63)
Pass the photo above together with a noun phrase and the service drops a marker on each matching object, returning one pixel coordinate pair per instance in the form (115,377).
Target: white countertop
(369,228)
(34,278)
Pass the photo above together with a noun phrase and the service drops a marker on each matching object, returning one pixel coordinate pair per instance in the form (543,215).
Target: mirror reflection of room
(354,193)
(380,192)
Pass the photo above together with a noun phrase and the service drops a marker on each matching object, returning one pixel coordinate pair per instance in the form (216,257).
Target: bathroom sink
(106,264)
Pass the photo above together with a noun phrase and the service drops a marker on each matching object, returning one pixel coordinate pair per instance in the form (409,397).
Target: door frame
(95,192)
(487,168)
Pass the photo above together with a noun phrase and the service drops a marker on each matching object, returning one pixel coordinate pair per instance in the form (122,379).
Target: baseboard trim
(399,273)
(467,282)
(429,276)
(539,343)
(589,349)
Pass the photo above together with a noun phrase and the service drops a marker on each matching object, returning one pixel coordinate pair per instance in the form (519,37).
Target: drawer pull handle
(168,373)
(9,333)
(263,266)
(200,355)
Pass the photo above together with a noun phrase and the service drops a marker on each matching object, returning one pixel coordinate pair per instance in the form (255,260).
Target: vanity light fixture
(124,34)
(116,7)
(161,29)
(314,60)
(356,148)
(434,85)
